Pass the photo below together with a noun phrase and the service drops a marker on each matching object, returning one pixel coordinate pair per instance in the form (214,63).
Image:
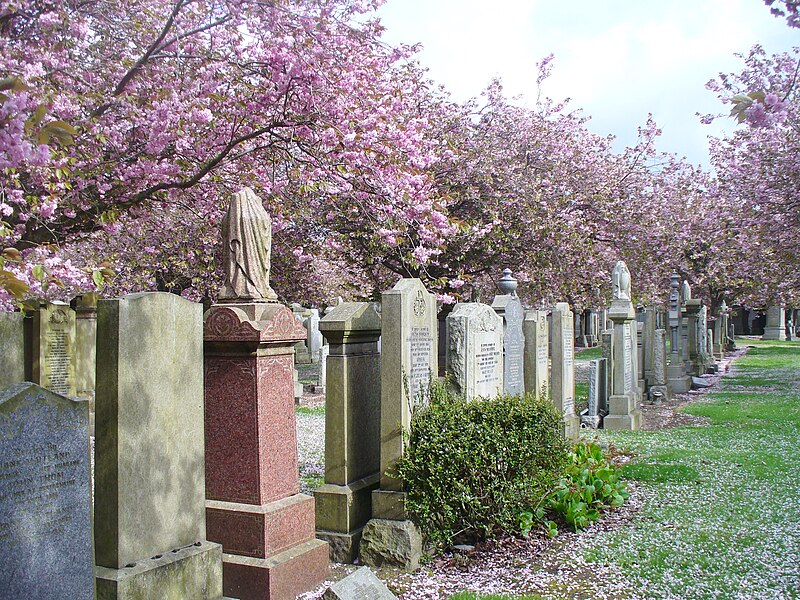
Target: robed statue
(621,282)
(247,239)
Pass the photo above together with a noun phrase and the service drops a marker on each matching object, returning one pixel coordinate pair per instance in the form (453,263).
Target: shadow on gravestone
(360,585)
(45,503)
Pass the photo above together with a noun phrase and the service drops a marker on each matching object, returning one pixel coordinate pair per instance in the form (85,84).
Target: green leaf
(14,84)
(97,278)
(39,272)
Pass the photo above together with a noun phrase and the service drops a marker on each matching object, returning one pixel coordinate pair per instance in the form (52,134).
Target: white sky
(616,59)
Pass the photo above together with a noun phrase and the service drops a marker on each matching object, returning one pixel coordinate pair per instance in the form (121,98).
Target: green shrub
(470,468)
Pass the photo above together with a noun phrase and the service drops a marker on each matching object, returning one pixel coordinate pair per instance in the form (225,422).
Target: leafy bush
(470,468)
(590,485)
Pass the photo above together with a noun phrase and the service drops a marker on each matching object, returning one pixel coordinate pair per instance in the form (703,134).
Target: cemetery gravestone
(607,344)
(775,329)
(562,372)
(509,307)
(85,349)
(597,399)
(12,342)
(409,359)
(536,353)
(677,379)
(45,497)
(352,427)
(475,350)
(623,407)
(52,348)
(314,340)
(658,386)
(149,517)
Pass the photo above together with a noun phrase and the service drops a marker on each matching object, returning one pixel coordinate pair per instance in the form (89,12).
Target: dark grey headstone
(45,503)
(510,308)
(360,585)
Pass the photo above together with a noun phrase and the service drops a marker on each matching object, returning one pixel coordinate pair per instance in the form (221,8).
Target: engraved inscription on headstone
(486,361)
(53,349)
(45,505)
(360,585)
(627,359)
(569,386)
(593,387)
(420,343)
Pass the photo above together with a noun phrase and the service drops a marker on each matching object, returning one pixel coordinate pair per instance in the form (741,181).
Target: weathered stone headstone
(322,378)
(409,360)
(314,341)
(85,349)
(648,344)
(677,378)
(537,353)
(12,342)
(659,390)
(149,515)
(775,329)
(607,345)
(597,398)
(45,496)
(510,310)
(693,338)
(352,427)
(475,350)
(359,585)
(52,348)
(623,407)
(562,370)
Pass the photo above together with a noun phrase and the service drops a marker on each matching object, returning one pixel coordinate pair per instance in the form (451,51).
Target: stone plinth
(510,310)
(45,498)
(253,507)
(537,353)
(775,329)
(623,412)
(409,361)
(693,337)
(352,427)
(475,350)
(149,462)
(562,372)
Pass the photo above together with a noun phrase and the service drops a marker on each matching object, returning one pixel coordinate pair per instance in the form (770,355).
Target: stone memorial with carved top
(254,507)
(623,404)
(475,350)
(510,309)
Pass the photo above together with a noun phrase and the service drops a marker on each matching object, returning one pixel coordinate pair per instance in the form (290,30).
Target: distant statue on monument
(686,292)
(621,282)
(247,239)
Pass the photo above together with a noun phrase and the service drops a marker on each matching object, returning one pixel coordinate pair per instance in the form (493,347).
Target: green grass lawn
(721,518)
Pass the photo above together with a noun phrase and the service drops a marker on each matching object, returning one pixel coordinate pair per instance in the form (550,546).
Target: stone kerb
(352,427)
(45,498)
(562,371)
(537,353)
(149,514)
(409,360)
(509,307)
(475,350)
(253,505)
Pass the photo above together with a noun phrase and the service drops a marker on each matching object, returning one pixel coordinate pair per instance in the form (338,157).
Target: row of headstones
(371,394)
(195,454)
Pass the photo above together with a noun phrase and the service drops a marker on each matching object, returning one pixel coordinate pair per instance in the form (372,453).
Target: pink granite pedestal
(253,505)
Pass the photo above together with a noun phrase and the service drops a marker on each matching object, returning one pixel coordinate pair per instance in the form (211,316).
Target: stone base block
(622,404)
(281,577)
(590,421)
(345,508)
(630,422)
(774,333)
(260,531)
(393,543)
(680,385)
(388,504)
(342,547)
(190,573)
(572,427)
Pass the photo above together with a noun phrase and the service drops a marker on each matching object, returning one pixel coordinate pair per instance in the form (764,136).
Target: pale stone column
(562,372)
(775,328)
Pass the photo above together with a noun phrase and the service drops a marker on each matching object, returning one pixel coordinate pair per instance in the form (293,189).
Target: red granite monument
(253,505)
